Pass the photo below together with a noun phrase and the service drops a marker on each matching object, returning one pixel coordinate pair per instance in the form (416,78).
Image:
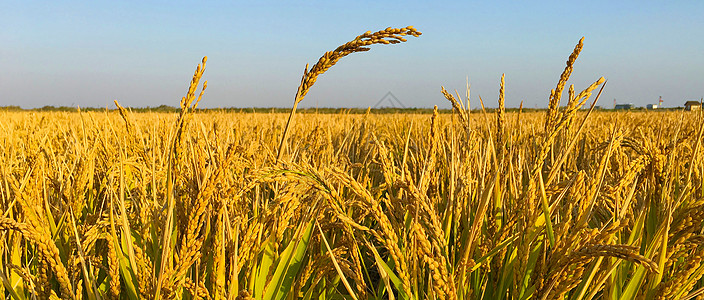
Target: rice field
(567,203)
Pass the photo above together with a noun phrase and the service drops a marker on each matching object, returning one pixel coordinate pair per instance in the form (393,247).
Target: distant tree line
(323,110)
(172,109)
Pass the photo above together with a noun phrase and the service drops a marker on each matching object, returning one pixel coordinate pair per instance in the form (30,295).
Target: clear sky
(143,53)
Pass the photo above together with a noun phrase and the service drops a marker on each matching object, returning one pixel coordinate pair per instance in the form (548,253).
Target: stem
(298,99)
(283,137)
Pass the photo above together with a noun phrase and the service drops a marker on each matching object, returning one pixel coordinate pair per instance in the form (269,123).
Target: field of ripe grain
(569,203)
(103,205)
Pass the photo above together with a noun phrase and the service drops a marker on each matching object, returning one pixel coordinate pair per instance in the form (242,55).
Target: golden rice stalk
(218,254)
(193,241)
(629,253)
(144,272)
(571,94)
(457,106)
(555,96)
(244,295)
(389,238)
(43,283)
(684,279)
(190,101)
(567,280)
(197,290)
(46,246)
(571,102)
(633,170)
(126,118)
(443,286)
(566,116)
(500,118)
(360,44)
(582,97)
(425,206)
(113,270)
(429,168)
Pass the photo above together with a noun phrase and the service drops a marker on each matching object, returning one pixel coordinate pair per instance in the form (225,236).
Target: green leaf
(493,252)
(402,294)
(125,267)
(128,275)
(268,257)
(8,287)
(634,285)
(526,290)
(289,264)
(15,280)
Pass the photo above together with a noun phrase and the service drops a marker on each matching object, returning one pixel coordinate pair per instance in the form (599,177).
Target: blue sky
(143,53)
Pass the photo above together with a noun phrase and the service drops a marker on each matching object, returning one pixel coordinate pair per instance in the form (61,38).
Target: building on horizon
(692,105)
(624,106)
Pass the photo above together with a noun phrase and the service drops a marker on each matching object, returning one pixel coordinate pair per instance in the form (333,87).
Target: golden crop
(565,204)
